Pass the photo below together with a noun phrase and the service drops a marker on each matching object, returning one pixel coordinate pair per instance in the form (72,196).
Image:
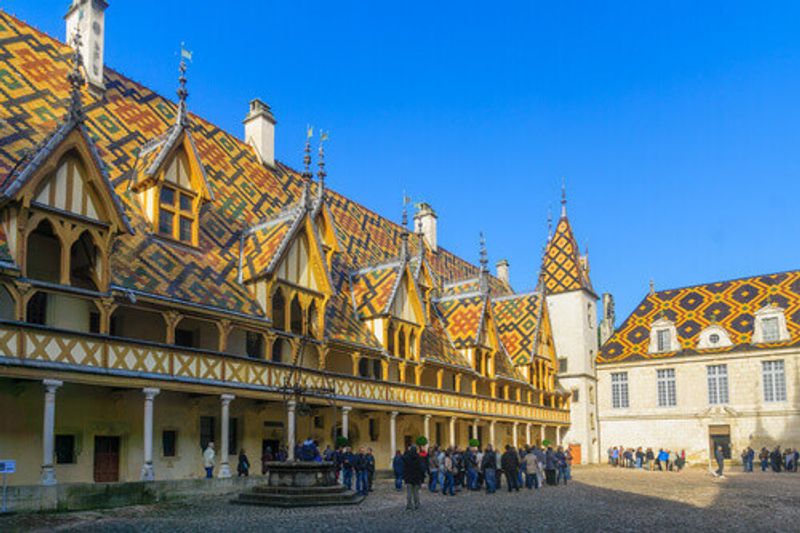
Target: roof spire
(484,276)
(321,174)
(76,80)
(404,233)
(307,167)
(549,224)
(652,287)
(563,197)
(183,93)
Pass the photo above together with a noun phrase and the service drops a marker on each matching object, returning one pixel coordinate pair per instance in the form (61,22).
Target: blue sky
(676,124)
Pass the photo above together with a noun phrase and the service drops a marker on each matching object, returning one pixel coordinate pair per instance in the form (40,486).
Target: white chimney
(259,131)
(89,16)
(425,222)
(502,271)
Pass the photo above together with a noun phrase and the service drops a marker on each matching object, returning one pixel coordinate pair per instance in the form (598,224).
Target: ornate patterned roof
(131,127)
(729,304)
(436,345)
(463,318)
(262,243)
(562,267)
(517,318)
(373,288)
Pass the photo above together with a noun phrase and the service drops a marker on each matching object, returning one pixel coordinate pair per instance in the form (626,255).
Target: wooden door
(106,459)
(575,450)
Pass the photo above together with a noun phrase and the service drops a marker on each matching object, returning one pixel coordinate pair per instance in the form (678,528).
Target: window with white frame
(665,379)
(619,390)
(717,384)
(663,340)
(770,329)
(774,381)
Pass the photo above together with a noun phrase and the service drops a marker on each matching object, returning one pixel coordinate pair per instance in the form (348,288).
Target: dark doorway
(106,459)
(720,436)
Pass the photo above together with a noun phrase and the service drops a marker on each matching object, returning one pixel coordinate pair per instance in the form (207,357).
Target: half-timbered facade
(163,283)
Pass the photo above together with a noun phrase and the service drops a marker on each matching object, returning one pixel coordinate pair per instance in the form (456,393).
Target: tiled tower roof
(562,268)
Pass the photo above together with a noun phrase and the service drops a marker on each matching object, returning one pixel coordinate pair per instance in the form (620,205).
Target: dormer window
(770,325)
(714,336)
(177,214)
(663,337)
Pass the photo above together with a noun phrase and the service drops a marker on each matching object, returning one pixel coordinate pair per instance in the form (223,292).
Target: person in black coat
(509,462)
(413,475)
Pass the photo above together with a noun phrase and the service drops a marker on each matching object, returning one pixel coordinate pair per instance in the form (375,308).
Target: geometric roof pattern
(562,269)
(132,129)
(463,318)
(729,304)
(373,288)
(517,318)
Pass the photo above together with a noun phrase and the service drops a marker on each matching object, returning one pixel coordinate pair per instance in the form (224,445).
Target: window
(373,429)
(363,368)
(65,449)
(233,437)
(255,345)
(663,340)
(94,322)
(666,387)
(184,337)
(769,329)
(619,390)
(176,216)
(774,381)
(206,431)
(168,439)
(717,384)
(713,338)
(562,364)
(37,309)
(278,311)
(575,395)
(377,370)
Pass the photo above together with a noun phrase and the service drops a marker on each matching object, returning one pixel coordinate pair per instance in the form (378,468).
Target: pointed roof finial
(484,276)
(549,224)
(307,167)
(76,80)
(404,231)
(321,174)
(652,287)
(183,93)
(563,197)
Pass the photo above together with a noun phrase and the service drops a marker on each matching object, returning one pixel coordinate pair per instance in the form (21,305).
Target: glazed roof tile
(562,268)
(729,304)
(517,318)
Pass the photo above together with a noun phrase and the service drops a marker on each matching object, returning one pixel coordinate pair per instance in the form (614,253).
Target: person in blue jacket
(397,467)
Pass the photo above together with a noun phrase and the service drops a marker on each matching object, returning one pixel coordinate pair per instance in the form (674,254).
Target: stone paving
(599,498)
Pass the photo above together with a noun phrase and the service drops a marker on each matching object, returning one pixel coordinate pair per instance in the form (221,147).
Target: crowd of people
(647,459)
(776,459)
(446,469)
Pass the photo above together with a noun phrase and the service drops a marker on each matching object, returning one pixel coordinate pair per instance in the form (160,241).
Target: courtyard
(598,499)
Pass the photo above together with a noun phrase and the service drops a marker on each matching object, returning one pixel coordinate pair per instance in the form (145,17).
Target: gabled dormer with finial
(282,260)
(169,177)
(386,297)
(59,201)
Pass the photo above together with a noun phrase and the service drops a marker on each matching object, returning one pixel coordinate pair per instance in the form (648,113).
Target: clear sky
(676,124)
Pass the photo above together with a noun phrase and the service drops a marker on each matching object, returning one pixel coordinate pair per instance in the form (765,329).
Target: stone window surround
(769,311)
(704,341)
(662,324)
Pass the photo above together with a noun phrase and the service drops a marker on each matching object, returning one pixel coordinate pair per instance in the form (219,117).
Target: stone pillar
(491,432)
(392,435)
(291,405)
(475,429)
(558,435)
(427,426)
(541,434)
(224,467)
(452,431)
(516,435)
(528,434)
(148,474)
(346,421)
(48,431)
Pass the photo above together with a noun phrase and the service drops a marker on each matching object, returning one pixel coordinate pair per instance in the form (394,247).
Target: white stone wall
(753,422)
(573,316)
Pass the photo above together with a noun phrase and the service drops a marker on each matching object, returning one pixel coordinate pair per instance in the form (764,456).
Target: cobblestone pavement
(598,499)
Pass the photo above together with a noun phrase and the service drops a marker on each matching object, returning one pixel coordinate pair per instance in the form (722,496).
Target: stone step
(298,500)
(267,489)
